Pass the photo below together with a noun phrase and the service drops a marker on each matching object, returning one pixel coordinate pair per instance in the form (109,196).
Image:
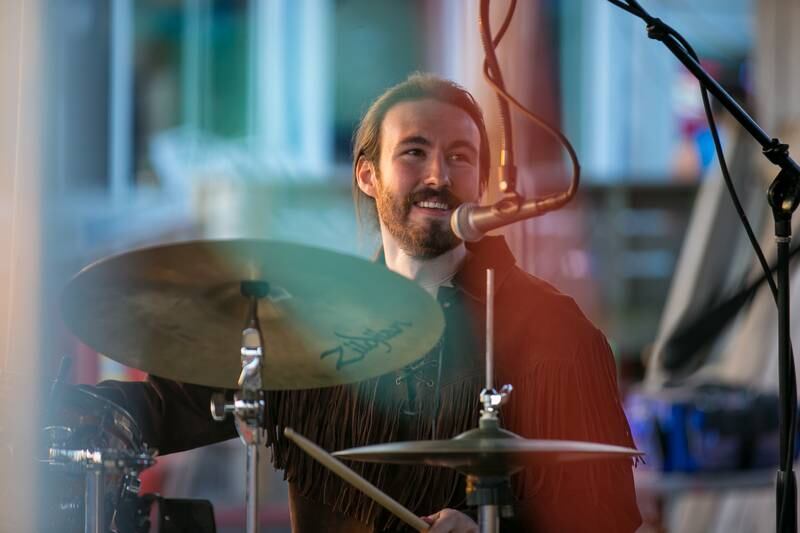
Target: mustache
(440,195)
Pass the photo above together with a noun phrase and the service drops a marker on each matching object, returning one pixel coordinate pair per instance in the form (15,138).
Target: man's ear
(366,177)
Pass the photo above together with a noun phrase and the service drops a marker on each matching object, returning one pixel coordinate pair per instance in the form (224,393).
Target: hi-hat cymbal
(176,311)
(480,451)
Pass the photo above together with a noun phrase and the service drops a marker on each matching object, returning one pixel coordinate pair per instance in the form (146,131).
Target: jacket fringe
(369,413)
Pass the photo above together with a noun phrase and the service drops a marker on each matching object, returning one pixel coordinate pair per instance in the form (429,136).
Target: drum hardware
(131,484)
(489,487)
(153,513)
(96,465)
(489,482)
(132,513)
(94,502)
(124,461)
(248,404)
(57,435)
(96,453)
(109,477)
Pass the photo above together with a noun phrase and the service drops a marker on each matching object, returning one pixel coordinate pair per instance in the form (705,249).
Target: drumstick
(339,468)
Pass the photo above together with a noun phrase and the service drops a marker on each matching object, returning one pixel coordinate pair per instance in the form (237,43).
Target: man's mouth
(433,204)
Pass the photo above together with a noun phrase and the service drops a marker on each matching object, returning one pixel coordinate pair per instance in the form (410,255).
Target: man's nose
(437,174)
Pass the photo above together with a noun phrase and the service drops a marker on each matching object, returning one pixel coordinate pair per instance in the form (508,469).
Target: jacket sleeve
(573,395)
(172,416)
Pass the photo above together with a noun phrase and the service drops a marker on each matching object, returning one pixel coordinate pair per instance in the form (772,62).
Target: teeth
(433,205)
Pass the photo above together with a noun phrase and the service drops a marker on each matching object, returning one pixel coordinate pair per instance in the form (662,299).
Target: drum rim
(121,417)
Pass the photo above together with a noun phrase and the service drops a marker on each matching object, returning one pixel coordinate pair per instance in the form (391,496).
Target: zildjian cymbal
(486,451)
(176,311)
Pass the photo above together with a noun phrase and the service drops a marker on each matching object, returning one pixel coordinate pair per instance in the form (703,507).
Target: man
(420,151)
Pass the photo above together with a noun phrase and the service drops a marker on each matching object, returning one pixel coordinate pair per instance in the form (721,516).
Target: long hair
(418,86)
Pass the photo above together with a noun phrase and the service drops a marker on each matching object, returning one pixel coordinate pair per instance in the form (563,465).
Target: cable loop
(656,29)
(776,152)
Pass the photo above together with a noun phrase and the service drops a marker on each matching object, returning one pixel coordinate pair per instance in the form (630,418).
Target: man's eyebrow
(415,139)
(463,144)
(419,139)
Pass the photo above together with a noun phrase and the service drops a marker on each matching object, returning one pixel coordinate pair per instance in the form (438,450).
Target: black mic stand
(783,197)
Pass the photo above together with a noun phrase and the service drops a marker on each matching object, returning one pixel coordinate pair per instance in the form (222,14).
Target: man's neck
(430,273)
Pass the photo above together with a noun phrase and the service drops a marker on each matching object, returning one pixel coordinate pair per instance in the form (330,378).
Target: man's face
(428,166)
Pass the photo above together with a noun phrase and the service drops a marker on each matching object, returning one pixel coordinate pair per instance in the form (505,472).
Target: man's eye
(466,158)
(416,152)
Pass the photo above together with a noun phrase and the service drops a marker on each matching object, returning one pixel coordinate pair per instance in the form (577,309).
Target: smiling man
(420,151)
(428,164)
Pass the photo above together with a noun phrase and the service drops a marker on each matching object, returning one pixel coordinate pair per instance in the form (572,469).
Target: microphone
(471,222)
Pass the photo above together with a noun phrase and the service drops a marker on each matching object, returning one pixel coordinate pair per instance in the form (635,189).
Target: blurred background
(129,123)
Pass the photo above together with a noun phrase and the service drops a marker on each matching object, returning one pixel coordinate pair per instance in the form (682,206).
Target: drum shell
(83,421)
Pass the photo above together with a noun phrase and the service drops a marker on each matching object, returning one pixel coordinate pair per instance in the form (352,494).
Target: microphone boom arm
(471,222)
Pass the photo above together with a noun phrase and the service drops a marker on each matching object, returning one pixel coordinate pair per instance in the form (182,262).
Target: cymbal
(176,311)
(480,451)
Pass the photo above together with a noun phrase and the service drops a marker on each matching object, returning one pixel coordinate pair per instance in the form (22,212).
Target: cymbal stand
(489,486)
(248,404)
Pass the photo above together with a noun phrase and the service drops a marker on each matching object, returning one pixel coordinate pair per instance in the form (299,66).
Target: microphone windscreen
(459,223)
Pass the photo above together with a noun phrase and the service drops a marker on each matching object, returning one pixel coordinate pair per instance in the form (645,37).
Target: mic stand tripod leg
(783,199)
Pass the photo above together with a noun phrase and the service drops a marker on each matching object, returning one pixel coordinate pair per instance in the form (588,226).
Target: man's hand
(450,521)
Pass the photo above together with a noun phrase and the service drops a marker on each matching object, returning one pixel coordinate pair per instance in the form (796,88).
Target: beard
(424,239)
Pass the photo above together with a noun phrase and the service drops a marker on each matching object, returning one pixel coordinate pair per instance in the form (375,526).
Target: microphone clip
(508,204)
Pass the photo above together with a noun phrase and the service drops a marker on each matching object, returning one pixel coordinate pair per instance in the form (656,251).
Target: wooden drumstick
(339,468)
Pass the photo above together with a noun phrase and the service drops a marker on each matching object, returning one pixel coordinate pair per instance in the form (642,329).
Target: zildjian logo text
(354,348)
